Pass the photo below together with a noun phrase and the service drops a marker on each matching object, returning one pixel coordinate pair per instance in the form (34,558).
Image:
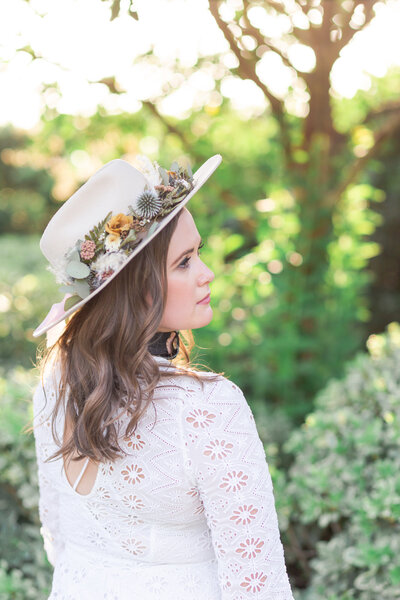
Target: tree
(320,164)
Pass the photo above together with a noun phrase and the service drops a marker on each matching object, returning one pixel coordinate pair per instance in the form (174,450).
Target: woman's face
(188,280)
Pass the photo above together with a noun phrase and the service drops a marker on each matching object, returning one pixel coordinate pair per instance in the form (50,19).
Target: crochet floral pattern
(186,513)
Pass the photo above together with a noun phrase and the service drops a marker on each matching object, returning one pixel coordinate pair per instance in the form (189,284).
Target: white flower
(149,170)
(112,245)
(110,260)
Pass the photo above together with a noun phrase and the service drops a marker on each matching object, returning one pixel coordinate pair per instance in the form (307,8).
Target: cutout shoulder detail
(85,464)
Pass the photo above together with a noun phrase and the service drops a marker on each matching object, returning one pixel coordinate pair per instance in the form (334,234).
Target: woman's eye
(184,264)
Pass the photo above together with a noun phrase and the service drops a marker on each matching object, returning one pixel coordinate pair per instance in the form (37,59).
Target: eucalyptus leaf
(131,237)
(71,301)
(175,167)
(164,176)
(189,170)
(74,256)
(65,289)
(78,270)
(81,287)
(152,228)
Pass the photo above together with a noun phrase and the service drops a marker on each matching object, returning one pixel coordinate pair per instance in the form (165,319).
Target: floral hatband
(108,245)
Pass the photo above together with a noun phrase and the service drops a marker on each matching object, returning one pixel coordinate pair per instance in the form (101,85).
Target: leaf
(70,302)
(74,255)
(175,167)
(164,175)
(78,270)
(81,287)
(98,229)
(152,228)
(65,289)
(131,237)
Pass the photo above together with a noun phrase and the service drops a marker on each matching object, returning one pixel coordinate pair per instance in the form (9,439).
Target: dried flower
(139,225)
(88,249)
(112,243)
(149,170)
(106,274)
(164,188)
(148,205)
(116,225)
(110,260)
(108,244)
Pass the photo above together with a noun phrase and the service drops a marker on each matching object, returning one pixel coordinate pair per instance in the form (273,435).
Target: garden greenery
(338,507)
(344,485)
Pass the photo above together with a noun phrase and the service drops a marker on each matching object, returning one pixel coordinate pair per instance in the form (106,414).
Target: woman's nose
(206,275)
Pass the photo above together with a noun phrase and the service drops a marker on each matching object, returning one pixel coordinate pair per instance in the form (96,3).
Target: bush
(27,291)
(344,484)
(25,573)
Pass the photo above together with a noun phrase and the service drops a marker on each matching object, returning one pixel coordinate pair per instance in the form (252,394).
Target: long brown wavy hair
(103,357)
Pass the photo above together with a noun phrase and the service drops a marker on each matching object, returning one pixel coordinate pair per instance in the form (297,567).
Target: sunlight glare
(79,47)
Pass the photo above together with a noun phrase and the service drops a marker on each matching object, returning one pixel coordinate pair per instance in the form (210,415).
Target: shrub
(24,571)
(344,484)
(27,291)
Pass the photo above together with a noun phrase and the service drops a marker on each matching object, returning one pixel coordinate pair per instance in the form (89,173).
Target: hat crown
(112,188)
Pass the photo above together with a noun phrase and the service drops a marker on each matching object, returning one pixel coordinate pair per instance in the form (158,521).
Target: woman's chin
(205,319)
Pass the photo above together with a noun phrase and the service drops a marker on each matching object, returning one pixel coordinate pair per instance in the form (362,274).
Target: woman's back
(187,513)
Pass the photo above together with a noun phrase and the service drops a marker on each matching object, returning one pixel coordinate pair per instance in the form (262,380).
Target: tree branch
(348,32)
(389,129)
(247,71)
(172,129)
(303,35)
(225,194)
(262,39)
(385,109)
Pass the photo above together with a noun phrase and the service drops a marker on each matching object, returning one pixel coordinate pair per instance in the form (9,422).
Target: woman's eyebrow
(186,252)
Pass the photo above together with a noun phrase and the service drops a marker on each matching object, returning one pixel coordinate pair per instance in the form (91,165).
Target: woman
(153,480)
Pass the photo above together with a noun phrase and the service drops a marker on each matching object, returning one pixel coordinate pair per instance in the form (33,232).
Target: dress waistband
(102,558)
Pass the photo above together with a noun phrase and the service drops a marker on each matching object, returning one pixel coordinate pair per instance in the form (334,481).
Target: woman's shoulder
(206,385)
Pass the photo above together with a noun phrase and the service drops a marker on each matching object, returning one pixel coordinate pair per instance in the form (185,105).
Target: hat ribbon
(54,314)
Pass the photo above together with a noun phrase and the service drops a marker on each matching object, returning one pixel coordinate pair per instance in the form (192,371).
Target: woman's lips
(205,300)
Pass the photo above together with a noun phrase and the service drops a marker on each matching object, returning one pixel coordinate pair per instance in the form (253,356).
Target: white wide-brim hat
(113,188)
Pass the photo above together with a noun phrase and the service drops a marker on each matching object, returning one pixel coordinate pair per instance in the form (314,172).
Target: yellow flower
(116,225)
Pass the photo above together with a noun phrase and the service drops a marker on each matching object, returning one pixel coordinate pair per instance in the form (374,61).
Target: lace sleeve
(232,476)
(48,494)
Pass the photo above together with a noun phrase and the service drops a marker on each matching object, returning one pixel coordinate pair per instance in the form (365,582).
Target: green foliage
(24,571)
(27,291)
(261,295)
(383,91)
(344,484)
(25,202)
(95,233)
(262,304)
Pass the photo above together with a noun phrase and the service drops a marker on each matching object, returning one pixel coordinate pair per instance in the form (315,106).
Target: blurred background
(301,226)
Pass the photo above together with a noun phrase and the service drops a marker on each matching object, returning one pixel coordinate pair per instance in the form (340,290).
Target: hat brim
(199,177)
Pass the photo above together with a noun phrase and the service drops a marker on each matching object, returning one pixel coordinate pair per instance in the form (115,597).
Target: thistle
(148,205)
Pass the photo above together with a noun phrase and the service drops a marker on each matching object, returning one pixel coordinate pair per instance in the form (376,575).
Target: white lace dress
(187,514)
